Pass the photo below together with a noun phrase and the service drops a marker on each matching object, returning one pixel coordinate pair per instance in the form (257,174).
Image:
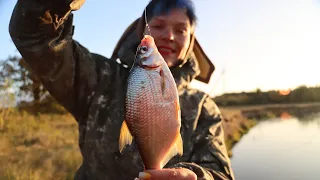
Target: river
(279,149)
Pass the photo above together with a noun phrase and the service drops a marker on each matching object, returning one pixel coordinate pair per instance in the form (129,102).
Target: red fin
(177,109)
(125,136)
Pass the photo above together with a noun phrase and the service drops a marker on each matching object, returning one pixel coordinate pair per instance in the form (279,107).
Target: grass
(233,138)
(38,147)
(235,126)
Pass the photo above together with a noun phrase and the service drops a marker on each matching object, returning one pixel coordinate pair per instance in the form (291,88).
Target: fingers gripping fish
(152,113)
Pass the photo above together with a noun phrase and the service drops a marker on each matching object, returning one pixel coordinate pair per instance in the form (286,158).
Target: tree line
(301,94)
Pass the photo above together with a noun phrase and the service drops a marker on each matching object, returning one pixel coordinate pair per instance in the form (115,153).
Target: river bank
(238,120)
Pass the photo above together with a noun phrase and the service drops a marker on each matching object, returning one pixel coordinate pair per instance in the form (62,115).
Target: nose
(168,34)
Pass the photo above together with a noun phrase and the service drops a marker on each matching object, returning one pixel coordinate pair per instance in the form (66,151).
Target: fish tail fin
(177,149)
(125,136)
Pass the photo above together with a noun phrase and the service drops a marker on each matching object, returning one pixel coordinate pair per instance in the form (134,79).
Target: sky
(266,44)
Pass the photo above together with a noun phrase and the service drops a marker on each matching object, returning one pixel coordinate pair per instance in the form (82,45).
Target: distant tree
(258,91)
(299,94)
(25,82)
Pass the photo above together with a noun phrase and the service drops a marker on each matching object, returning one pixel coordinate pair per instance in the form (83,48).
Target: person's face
(171,33)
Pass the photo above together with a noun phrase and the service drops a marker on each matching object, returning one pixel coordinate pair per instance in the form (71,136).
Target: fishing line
(145,19)
(147,25)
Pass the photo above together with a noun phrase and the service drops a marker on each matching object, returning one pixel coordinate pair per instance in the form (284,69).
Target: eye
(181,31)
(158,27)
(143,49)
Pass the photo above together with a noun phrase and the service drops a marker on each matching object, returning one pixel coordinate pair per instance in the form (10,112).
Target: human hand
(168,174)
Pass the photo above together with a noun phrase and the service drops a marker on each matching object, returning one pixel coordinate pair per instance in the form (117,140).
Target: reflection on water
(280,148)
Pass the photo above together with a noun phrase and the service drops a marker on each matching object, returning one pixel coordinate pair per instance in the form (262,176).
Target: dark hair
(160,7)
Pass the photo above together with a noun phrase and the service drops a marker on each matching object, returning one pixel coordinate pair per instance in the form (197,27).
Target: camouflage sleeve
(209,159)
(42,31)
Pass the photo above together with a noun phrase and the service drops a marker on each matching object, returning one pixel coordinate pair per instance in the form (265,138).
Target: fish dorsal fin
(125,136)
(177,149)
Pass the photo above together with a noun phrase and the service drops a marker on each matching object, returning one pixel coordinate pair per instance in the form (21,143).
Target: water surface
(280,148)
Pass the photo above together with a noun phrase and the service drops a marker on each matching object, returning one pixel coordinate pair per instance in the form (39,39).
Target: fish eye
(144,49)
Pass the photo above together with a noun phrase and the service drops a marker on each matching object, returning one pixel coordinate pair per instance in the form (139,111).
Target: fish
(152,117)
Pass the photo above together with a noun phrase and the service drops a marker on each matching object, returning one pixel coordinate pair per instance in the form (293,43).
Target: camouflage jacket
(91,88)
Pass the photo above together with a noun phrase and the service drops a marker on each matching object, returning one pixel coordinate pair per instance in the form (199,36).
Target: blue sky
(267,44)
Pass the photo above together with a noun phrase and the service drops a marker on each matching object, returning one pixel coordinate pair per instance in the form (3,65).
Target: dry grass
(235,125)
(38,147)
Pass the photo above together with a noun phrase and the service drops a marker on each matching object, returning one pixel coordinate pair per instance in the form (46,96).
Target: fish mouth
(151,66)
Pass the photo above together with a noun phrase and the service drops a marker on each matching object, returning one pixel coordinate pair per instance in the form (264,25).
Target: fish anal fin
(177,149)
(125,136)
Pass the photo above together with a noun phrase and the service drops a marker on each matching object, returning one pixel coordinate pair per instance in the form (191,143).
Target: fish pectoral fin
(177,149)
(125,136)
